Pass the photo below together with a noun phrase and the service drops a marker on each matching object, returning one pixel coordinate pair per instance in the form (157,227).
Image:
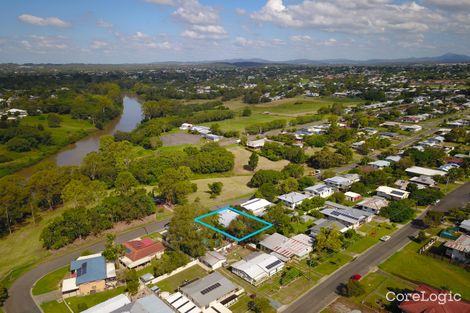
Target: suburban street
(325,292)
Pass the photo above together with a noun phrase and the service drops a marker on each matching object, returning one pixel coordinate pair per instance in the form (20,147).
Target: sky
(141,31)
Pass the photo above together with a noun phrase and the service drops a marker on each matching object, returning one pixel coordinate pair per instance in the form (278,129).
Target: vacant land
(50,282)
(180,138)
(372,232)
(241,160)
(332,263)
(70,131)
(172,283)
(233,188)
(408,263)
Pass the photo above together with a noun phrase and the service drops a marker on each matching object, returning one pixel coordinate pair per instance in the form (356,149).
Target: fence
(178,270)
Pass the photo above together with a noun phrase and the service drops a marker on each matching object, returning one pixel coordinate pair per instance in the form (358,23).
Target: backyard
(50,282)
(94,299)
(172,283)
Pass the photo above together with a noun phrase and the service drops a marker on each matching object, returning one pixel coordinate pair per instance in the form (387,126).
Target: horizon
(159,31)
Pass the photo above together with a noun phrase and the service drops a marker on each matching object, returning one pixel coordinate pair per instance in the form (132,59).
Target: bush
(19,144)
(289,275)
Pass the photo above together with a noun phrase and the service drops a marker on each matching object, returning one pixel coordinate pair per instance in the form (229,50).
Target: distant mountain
(445,58)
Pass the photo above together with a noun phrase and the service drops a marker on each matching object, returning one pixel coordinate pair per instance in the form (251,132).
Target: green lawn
(70,131)
(416,267)
(373,232)
(54,307)
(50,282)
(240,123)
(92,300)
(301,106)
(172,283)
(332,263)
(241,306)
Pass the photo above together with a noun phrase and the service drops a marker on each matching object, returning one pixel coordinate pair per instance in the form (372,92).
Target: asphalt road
(325,292)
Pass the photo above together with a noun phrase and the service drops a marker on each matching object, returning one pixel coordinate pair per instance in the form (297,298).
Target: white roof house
(255,144)
(186,126)
(257,206)
(213,259)
(417,170)
(392,193)
(257,267)
(342,182)
(329,224)
(352,196)
(293,199)
(226,217)
(286,248)
(465,225)
(379,164)
(393,158)
(320,190)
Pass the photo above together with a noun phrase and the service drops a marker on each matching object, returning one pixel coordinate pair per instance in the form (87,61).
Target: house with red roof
(426,299)
(141,251)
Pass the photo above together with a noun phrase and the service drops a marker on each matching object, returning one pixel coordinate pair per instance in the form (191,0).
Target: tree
(253,161)
(265,176)
(288,185)
(14,198)
(132,282)
(293,170)
(354,288)
(421,236)
(53,120)
(83,192)
(174,184)
(48,184)
(328,240)
(112,250)
(125,181)
(426,196)
(3,295)
(19,144)
(267,191)
(433,218)
(246,111)
(215,189)
(277,216)
(260,305)
(399,211)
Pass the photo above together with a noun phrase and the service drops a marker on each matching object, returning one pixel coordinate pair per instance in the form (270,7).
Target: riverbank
(72,151)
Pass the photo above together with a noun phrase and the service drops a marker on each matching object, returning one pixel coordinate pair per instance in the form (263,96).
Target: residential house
(421,302)
(119,303)
(411,128)
(392,193)
(285,249)
(292,199)
(342,182)
(257,267)
(465,226)
(257,206)
(213,260)
(209,290)
(320,190)
(447,167)
(141,251)
(329,224)
(373,204)
(401,184)
(379,164)
(423,181)
(256,144)
(459,249)
(186,126)
(89,274)
(203,130)
(352,196)
(212,137)
(350,217)
(417,170)
(393,158)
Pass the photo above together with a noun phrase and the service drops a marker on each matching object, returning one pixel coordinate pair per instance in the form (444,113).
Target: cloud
(43,44)
(240,11)
(98,44)
(450,4)
(164,2)
(353,16)
(43,21)
(104,24)
(300,38)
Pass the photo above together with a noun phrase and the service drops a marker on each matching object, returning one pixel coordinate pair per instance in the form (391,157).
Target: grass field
(92,300)
(241,160)
(416,267)
(234,188)
(54,307)
(172,283)
(373,231)
(70,131)
(332,263)
(50,282)
(240,123)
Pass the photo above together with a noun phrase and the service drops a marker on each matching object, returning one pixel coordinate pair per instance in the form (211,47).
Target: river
(73,154)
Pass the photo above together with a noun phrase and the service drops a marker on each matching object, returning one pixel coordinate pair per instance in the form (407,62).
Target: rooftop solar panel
(270,266)
(210,288)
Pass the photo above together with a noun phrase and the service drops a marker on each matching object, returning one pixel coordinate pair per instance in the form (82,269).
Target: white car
(385,238)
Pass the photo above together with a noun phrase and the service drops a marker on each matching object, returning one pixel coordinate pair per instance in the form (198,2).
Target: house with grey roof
(350,217)
(423,181)
(293,199)
(257,267)
(342,182)
(373,204)
(459,249)
(328,224)
(379,164)
(209,290)
(465,226)
(213,259)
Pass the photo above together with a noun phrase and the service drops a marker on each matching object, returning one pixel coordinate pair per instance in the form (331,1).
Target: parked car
(385,238)
(356,277)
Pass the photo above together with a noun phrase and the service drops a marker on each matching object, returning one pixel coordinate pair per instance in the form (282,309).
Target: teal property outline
(198,220)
